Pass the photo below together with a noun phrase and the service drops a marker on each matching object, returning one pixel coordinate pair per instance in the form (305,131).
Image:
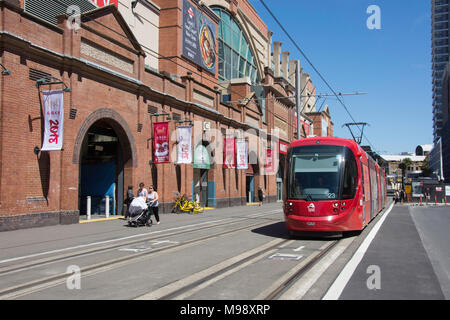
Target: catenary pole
(298,98)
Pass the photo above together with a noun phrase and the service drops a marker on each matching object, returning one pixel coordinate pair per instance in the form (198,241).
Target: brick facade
(103,64)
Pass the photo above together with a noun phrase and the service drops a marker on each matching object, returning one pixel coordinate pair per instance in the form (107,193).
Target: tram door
(366,193)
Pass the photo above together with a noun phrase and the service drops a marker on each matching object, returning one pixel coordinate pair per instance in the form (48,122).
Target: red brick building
(114,101)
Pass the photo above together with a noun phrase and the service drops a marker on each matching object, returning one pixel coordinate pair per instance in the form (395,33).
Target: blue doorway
(250,189)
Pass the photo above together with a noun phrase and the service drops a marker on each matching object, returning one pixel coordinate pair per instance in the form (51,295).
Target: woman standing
(142,192)
(153,202)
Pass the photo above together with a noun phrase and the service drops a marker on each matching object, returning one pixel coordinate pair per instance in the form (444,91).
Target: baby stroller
(137,214)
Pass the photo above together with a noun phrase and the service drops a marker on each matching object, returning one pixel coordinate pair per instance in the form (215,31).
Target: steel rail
(51,281)
(299,274)
(82,253)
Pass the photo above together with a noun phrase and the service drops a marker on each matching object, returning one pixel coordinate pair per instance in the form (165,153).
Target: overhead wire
(314,68)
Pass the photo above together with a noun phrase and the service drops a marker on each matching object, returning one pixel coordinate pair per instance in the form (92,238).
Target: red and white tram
(331,185)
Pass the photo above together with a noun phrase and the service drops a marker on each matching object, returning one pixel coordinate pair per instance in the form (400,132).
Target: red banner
(229,153)
(269,160)
(102,3)
(282,147)
(161,142)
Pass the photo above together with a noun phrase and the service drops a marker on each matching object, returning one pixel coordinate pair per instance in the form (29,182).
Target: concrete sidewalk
(397,265)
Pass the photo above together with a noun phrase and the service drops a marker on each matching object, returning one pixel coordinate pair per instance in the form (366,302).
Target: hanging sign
(242,154)
(229,152)
(269,160)
(184,145)
(161,142)
(282,147)
(201,158)
(54,120)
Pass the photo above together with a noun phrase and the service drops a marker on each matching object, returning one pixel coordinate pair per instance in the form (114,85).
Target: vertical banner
(282,147)
(229,153)
(242,154)
(54,120)
(184,145)
(269,160)
(161,142)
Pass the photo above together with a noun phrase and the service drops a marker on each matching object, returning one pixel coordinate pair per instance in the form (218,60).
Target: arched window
(235,57)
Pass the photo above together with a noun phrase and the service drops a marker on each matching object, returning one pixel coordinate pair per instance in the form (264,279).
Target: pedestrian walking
(153,203)
(260,196)
(396,196)
(402,196)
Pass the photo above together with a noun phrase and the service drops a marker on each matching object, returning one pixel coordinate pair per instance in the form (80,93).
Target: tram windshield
(321,173)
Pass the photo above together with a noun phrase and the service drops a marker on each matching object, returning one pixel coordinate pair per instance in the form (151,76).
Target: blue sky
(393,65)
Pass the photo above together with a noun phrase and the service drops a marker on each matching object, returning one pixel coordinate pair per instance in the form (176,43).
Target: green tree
(426,170)
(407,162)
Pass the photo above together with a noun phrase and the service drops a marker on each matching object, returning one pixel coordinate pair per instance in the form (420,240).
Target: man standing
(260,196)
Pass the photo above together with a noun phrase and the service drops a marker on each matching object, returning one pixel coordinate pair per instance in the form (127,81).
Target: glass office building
(440,58)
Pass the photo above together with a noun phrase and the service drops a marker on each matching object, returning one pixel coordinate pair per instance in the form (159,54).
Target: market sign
(199,38)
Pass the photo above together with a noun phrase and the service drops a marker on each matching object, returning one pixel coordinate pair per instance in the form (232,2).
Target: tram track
(186,287)
(309,263)
(58,279)
(7,270)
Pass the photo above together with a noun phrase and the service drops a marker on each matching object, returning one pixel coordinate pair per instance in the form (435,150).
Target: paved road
(235,253)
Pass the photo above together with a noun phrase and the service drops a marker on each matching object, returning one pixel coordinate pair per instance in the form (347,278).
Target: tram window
(315,173)
(350,182)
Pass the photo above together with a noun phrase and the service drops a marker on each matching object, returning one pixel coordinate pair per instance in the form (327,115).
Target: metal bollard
(107,206)
(88,209)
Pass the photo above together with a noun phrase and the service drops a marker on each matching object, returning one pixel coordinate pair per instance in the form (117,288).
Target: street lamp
(5,71)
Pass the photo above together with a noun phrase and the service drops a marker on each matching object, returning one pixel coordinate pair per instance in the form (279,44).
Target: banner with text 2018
(53,120)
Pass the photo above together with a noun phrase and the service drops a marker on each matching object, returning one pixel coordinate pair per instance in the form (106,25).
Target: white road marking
(299,249)
(335,291)
(285,256)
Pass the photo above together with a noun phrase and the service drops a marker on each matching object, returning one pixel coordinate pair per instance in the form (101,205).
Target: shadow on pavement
(279,230)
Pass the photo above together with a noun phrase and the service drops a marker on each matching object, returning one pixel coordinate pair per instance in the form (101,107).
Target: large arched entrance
(106,155)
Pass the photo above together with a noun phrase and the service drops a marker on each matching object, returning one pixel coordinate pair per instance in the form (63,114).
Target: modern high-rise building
(440,58)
